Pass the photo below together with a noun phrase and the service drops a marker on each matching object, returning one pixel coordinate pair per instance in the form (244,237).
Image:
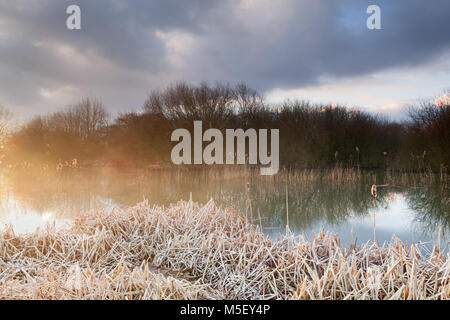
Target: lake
(412,213)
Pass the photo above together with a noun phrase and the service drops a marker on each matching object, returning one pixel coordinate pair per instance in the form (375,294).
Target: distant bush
(428,135)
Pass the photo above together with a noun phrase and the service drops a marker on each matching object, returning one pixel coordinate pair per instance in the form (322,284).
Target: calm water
(412,214)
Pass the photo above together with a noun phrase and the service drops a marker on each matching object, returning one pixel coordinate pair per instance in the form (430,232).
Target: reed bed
(206,252)
(76,283)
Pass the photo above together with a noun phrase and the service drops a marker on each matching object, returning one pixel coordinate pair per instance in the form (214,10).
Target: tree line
(311,135)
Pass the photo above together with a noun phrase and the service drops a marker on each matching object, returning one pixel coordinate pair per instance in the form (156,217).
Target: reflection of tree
(311,201)
(431,207)
(75,191)
(64,195)
(317,202)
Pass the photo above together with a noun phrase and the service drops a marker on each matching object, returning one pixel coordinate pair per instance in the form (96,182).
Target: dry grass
(84,283)
(211,253)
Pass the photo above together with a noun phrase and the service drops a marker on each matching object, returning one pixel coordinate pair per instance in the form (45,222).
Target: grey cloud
(293,46)
(318,42)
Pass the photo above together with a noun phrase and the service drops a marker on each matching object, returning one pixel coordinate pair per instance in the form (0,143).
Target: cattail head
(373,191)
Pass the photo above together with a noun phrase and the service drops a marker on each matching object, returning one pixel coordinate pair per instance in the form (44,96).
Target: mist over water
(413,214)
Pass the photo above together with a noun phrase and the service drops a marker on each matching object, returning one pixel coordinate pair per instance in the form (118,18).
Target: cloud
(443,100)
(127,48)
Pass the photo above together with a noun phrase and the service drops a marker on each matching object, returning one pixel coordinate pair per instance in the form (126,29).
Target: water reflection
(413,214)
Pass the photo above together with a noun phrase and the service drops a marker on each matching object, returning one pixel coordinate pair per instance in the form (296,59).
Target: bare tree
(247,99)
(182,103)
(5,119)
(84,120)
(92,117)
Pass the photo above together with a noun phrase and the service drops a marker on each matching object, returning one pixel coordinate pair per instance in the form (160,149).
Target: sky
(318,50)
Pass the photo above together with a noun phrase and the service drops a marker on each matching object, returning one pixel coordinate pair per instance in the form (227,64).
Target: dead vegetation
(207,253)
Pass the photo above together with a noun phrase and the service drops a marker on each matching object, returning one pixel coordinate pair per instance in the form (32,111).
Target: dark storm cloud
(331,38)
(127,48)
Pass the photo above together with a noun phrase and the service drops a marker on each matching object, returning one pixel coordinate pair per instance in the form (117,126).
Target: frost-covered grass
(207,253)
